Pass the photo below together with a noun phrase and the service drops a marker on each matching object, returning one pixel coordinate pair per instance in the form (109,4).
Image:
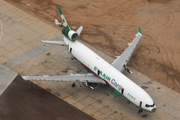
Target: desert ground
(110,24)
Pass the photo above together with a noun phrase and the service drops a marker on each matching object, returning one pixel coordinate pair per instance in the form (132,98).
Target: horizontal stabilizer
(54,42)
(79,30)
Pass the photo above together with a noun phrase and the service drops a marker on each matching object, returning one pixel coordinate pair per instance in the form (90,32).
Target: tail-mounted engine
(70,34)
(66,31)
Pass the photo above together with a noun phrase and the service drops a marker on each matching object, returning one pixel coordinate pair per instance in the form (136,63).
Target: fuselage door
(122,91)
(99,72)
(140,104)
(70,50)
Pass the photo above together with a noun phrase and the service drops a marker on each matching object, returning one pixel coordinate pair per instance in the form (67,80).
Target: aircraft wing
(68,78)
(123,59)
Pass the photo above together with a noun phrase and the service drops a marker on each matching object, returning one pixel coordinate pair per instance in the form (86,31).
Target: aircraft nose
(153,110)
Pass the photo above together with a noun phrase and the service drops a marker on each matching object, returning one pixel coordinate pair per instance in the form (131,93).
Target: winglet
(60,11)
(140,30)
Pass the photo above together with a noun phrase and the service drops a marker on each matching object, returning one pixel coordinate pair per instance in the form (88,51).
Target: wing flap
(68,78)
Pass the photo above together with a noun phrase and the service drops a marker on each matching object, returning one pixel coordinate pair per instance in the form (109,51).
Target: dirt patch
(109,26)
(159,1)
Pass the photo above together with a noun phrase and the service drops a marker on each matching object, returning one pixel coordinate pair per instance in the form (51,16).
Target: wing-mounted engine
(70,34)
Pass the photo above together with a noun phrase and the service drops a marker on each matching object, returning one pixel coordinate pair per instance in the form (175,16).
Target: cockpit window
(149,105)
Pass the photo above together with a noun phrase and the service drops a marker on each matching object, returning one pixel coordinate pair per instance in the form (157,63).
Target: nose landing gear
(142,113)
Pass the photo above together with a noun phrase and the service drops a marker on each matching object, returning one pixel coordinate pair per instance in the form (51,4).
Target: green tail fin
(60,11)
(64,22)
(140,30)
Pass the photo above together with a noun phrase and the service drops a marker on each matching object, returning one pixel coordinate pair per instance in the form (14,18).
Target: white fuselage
(110,75)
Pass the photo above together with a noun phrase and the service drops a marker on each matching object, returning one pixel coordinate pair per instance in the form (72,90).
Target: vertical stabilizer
(64,22)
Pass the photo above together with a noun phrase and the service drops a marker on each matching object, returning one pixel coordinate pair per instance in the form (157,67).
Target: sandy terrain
(110,24)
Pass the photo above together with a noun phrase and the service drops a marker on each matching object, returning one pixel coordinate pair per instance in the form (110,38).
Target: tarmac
(21,51)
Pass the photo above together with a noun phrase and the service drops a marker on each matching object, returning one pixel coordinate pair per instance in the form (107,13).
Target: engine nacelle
(73,35)
(70,34)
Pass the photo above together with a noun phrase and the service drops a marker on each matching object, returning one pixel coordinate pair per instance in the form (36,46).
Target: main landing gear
(87,84)
(125,68)
(142,113)
(73,85)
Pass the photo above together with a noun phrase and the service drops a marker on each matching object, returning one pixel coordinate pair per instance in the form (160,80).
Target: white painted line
(52,34)
(29,64)
(1,30)
(36,56)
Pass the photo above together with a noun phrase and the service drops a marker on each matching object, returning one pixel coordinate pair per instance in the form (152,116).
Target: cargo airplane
(101,71)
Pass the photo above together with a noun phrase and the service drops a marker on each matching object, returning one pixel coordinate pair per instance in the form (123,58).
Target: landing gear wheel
(142,113)
(73,85)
